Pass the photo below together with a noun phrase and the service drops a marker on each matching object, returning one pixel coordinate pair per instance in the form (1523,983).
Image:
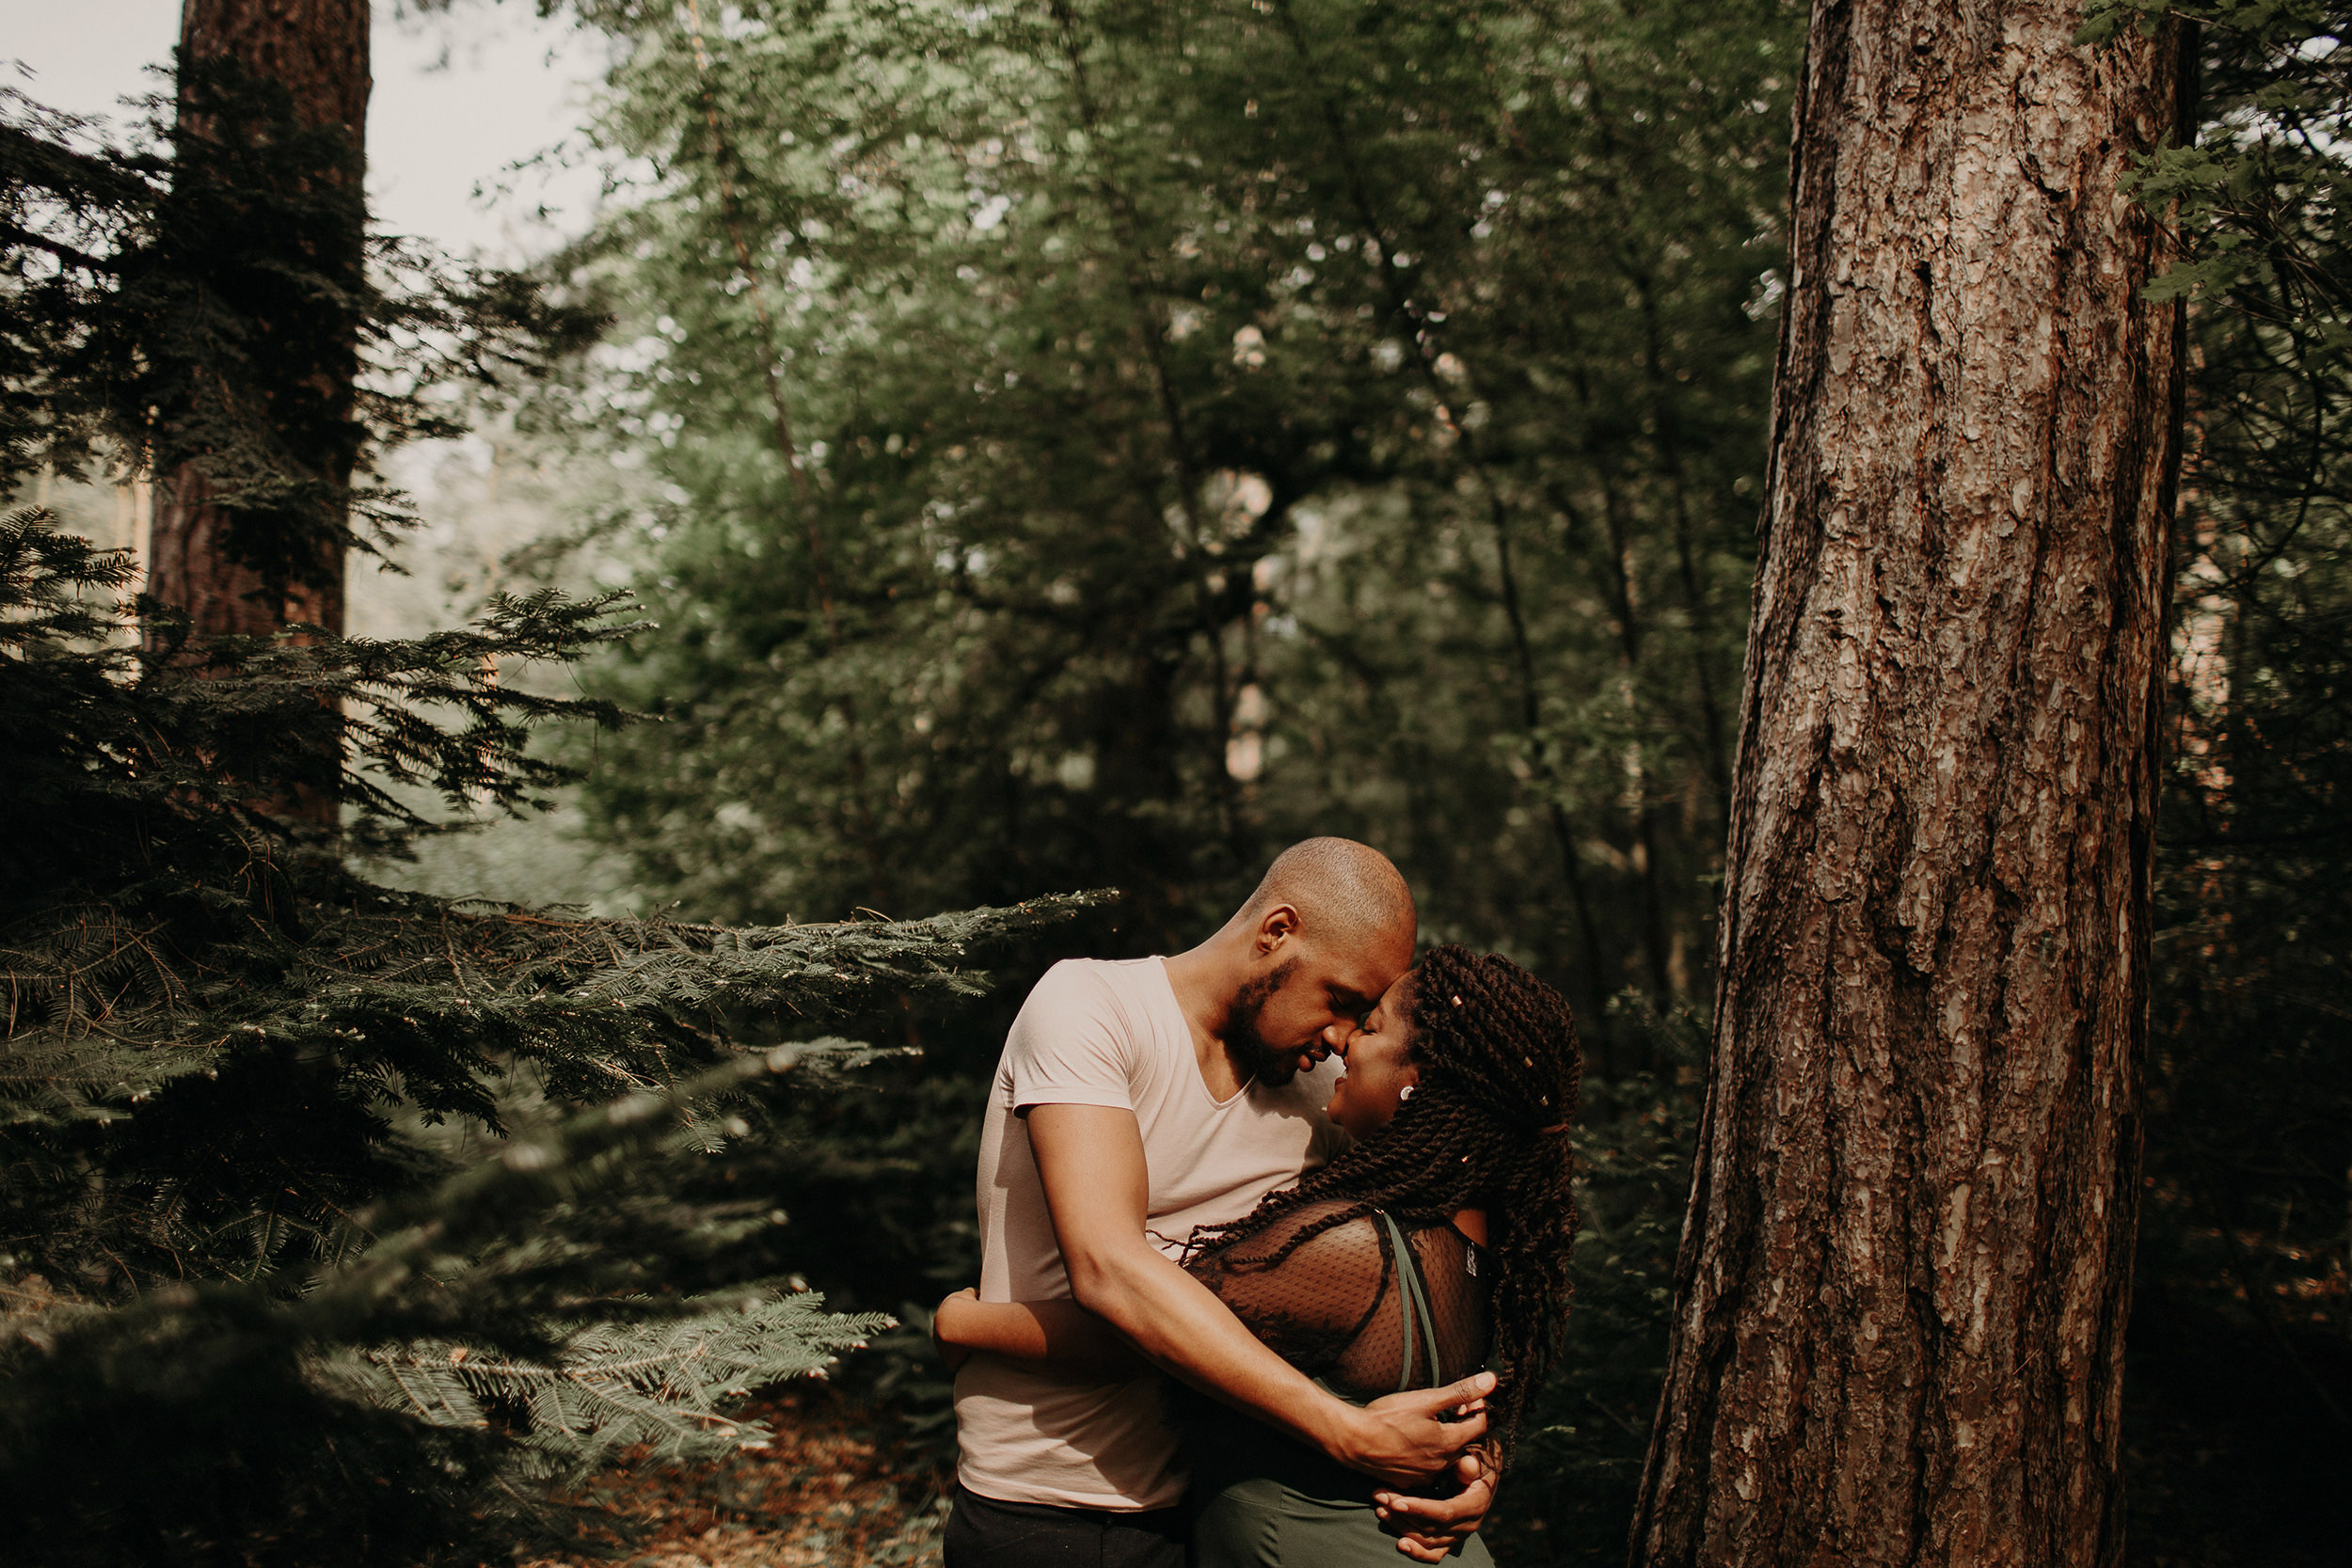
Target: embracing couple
(1321,1187)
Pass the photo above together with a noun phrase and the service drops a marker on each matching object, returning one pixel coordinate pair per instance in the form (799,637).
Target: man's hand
(1432,1526)
(1399,1439)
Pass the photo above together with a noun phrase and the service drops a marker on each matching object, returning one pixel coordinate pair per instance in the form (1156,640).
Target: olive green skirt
(1260,1500)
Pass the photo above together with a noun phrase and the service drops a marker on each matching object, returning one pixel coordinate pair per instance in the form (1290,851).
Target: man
(1134,1103)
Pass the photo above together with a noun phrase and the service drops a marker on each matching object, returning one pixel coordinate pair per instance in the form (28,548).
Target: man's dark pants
(985,1533)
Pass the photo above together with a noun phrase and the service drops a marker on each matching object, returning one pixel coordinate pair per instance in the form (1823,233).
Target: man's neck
(1206,980)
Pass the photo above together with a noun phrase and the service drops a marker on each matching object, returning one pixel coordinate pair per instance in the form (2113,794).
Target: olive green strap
(1404,1300)
(1419,1283)
(1413,1303)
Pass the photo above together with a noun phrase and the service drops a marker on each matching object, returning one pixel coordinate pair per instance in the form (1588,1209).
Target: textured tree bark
(318,51)
(1905,1267)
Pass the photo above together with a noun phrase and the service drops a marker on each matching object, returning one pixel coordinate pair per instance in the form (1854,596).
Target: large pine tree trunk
(1905,1267)
(221,568)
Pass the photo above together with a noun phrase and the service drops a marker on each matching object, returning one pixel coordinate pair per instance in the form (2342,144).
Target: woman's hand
(1429,1528)
(1056,1339)
(944,1327)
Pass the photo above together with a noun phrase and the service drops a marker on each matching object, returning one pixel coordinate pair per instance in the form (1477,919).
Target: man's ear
(1276,926)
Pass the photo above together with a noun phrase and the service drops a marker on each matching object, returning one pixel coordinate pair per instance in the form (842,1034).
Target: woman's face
(1379,1066)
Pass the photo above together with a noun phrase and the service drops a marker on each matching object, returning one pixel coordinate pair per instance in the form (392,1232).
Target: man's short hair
(1351,891)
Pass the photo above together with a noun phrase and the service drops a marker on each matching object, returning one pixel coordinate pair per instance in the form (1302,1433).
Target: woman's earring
(1406,1093)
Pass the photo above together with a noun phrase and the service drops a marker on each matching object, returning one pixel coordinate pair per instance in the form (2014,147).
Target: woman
(1437,1242)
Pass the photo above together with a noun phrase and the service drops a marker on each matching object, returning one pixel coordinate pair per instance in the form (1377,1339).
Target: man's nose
(1337,1036)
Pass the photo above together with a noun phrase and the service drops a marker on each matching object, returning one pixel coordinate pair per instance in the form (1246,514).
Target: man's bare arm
(1090,1159)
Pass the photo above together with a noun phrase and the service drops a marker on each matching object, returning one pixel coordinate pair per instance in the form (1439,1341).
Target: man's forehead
(1369,968)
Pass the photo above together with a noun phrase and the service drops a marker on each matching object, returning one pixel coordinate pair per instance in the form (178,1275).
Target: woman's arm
(1059,1336)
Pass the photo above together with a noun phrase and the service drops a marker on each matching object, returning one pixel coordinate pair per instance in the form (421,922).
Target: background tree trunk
(317,51)
(1905,1267)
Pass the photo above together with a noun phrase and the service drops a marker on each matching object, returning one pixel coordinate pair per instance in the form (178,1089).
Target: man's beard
(1247,1047)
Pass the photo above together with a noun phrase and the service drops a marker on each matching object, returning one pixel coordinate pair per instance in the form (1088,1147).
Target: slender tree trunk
(1905,1267)
(198,562)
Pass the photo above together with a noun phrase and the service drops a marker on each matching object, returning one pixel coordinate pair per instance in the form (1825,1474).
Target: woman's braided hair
(1486,1127)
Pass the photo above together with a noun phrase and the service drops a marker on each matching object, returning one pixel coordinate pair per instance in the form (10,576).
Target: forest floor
(835,1486)
(843,1486)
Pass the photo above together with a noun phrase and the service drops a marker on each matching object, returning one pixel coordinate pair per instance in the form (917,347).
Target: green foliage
(206,306)
(2240,1333)
(1227,423)
(119,706)
(223,1049)
(1571,1488)
(323,1234)
(1223,422)
(2104,19)
(612,1387)
(530,1256)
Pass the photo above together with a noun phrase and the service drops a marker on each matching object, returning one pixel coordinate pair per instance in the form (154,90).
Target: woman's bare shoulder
(1322,1232)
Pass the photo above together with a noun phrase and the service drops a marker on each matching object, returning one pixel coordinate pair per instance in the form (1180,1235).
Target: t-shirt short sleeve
(1072,1044)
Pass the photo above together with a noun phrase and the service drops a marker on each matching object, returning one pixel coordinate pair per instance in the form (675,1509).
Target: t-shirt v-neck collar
(1192,1054)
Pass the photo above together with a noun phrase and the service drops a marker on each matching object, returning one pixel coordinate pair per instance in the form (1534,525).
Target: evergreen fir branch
(439,994)
(482,1330)
(664,1385)
(97,1080)
(389,1003)
(785,966)
(430,1244)
(46,580)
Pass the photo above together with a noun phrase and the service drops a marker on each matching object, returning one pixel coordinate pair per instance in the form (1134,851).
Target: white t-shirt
(1096,1032)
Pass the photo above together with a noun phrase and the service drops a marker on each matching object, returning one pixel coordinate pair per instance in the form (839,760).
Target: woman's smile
(1380,1067)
